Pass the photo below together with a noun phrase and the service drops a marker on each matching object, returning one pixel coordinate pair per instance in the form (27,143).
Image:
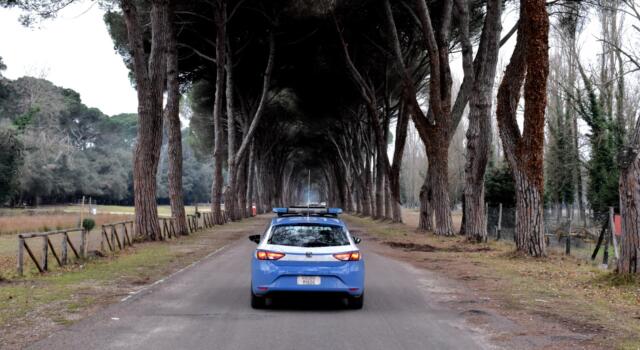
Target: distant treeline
(54,149)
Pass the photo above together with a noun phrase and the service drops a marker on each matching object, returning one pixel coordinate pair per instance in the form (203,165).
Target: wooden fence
(204,220)
(114,236)
(42,264)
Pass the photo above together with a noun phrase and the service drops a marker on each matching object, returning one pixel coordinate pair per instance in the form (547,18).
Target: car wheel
(258,302)
(356,303)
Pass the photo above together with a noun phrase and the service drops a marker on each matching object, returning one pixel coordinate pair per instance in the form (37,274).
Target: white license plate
(308,280)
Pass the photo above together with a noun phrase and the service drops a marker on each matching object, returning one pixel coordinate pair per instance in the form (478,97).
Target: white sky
(73,51)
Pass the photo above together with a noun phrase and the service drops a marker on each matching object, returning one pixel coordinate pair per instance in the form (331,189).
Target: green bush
(499,186)
(88,224)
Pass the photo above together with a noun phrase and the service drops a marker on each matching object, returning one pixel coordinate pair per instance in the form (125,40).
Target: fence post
(64,253)
(83,243)
(20,255)
(612,227)
(45,253)
(486,222)
(499,233)
(607,238)
(102,234)
(567,248)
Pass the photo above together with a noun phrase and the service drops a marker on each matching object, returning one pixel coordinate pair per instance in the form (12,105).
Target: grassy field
(163,210)
(49,218)
(566,289)
(36,305)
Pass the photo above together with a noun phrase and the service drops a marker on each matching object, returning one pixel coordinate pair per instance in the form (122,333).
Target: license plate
(308,280)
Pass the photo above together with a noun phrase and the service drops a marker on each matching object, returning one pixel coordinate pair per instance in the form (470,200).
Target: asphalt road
(206,306)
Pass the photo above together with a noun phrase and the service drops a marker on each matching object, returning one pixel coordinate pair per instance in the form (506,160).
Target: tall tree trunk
(242,189)
(479,131)
(529,216)
(150,77)
(426,210)
(379,212)
(437,126)
(368,203)
(174,132)
(236,157)
(524,152)
(250,182)
(218,151)
(437,151)
(629,262)
(394,175)
(231,197)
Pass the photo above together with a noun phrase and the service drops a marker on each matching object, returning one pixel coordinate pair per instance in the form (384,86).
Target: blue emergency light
(299,211)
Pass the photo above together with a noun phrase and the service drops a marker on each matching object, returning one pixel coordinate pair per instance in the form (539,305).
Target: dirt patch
(411,247)
(414,247)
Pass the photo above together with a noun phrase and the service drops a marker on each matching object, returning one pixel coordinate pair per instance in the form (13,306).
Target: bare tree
(149,72)
(236,157)
(172,117)
(218,150)
(482,75)
(629,262)
(529,66)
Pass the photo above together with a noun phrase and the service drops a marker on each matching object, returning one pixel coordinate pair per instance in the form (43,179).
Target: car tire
(356,303)
(258,302)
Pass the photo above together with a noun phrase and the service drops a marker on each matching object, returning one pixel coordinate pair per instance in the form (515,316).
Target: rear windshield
(308,235)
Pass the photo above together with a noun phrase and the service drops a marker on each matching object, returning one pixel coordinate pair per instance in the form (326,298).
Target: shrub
(88,224)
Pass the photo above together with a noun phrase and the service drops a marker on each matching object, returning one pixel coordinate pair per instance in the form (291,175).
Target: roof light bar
(307,211)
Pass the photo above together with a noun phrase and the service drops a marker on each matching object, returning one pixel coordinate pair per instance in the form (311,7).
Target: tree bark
(231,197)
(629,262)
(438,153)
(529,216)
(174,132)
(479,130)
(150,77)
(394,176)
(426,210)
(250,182)
(436,127)
(525,152)
(218,151)
(379,210)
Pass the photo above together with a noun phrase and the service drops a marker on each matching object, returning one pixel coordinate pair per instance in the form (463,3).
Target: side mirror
(357,240)
(255,238)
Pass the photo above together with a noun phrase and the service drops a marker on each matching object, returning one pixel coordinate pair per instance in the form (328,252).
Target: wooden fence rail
(167,228)
(204,220)
(62,259)
(113,236)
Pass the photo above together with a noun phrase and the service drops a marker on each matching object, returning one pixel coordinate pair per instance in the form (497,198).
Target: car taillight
(266,255)
(350,256)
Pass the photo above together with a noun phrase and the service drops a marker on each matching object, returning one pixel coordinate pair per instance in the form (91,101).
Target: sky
(73,51)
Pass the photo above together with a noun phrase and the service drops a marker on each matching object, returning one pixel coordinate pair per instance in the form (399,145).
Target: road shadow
(307,302)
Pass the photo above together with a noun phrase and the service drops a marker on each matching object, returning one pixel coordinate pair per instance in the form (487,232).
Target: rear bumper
(335,277)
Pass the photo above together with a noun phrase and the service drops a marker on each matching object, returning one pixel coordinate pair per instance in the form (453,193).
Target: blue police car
(307,250)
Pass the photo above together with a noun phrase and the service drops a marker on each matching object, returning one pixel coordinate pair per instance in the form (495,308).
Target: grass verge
(567,290)
(36,305)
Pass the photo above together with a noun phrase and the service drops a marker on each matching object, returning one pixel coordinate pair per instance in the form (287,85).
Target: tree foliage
(499,185)
(54,149)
